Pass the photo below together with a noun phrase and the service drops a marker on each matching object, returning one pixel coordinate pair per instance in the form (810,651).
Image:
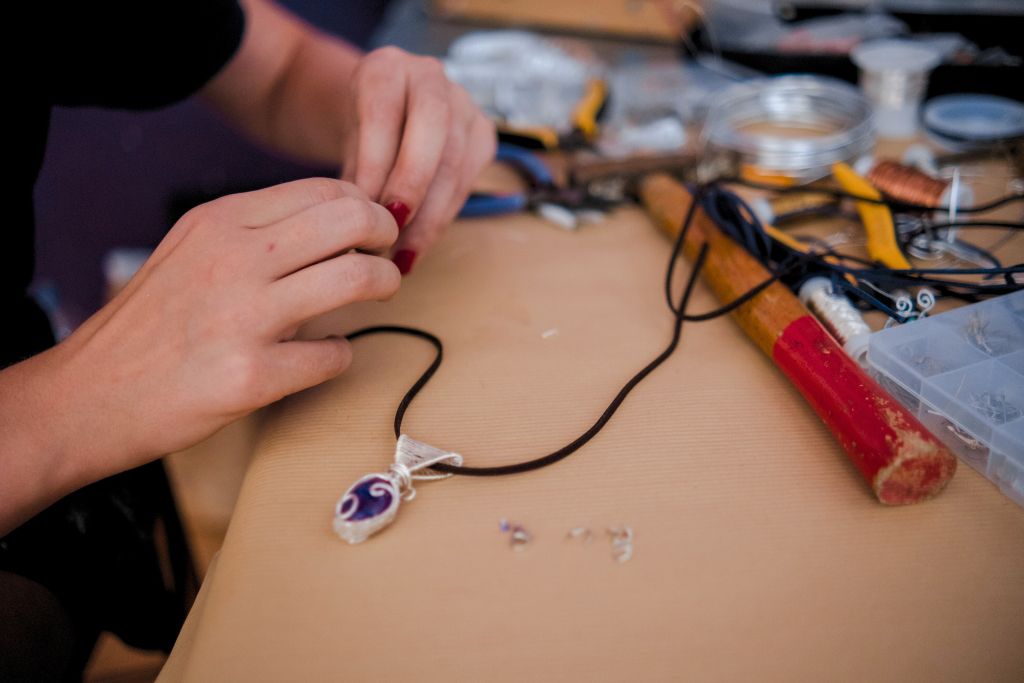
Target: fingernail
(400,212)
(404,259)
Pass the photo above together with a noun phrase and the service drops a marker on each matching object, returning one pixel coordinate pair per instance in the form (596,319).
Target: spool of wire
(907,184)
(792,125)
(837,314)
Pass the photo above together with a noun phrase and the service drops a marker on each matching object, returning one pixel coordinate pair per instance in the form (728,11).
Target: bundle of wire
(864,281)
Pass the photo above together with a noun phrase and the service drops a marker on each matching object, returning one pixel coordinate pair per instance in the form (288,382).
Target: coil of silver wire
(792,125)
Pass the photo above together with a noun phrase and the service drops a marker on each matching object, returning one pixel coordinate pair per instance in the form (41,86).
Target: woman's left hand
(408,137)
(415,142)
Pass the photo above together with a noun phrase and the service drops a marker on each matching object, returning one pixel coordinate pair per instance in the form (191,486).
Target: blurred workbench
(760,554)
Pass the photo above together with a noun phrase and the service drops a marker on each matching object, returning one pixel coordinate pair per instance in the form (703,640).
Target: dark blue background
(115,178)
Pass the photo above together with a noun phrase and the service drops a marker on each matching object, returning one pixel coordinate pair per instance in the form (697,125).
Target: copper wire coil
(907,184)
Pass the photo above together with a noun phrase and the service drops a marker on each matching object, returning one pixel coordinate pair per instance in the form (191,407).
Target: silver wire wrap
(413,462)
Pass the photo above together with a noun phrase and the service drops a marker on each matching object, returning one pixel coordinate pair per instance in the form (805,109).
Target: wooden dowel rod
(900,459)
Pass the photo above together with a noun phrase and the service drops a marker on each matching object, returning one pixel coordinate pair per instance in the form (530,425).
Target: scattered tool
(562,204)
(585,117)
(583,169)
(877,218)
(900,459)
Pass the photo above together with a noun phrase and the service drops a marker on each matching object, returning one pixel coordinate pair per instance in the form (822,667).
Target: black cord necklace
(545,460)
(372,502)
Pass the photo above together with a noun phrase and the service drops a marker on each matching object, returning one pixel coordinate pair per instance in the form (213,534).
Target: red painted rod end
(901,460)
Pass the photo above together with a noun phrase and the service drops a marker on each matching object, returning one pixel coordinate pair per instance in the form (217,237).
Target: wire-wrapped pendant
(372,503)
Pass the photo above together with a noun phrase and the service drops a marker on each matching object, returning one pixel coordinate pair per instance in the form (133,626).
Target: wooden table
(759,552)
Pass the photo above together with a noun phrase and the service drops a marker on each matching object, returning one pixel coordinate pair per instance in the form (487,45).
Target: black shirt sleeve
(130,54)
(133,54)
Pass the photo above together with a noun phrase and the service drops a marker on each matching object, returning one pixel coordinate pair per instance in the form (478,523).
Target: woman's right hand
(202,335)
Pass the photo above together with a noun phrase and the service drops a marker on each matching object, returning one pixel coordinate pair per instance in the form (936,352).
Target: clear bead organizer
(962,373)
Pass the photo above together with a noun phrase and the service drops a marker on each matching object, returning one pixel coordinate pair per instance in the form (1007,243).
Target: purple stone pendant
(371,503)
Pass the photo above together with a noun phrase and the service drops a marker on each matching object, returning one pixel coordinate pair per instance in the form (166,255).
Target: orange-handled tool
(900,459)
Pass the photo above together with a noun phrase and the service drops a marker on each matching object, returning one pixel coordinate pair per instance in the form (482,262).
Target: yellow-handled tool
(877,219)
(585,115)
(588,110)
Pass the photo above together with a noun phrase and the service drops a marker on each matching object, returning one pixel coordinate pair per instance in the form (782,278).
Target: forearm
(47,446)
(286,85)
(307,120)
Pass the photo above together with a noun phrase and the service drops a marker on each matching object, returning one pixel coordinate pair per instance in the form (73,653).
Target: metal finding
(580,532)
(403,477)
(925,301)
(993,340)
(622,543)
(995,407)
(929,366)
(520,538)
(904,304)
(971,444)
(975,332)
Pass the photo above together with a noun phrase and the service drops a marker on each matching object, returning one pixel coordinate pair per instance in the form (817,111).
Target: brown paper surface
(760,554)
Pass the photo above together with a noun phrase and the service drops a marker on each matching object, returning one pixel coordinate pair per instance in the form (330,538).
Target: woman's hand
(202,335)
(404,134)
(415,142)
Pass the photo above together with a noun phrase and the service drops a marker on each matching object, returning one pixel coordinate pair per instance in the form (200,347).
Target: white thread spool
(837,314)
(894,76)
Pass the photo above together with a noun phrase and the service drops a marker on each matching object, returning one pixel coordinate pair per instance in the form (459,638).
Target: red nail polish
(404,258)
(400,212)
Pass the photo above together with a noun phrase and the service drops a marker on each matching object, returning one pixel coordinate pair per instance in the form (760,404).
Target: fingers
(480,150)
(380,112)
(428,117)
(275,203)
(431,216)
(483,145)
(296,365)
(331,284)
(252,209)
(419,144)
(323,231)
(466,155)
(317,219)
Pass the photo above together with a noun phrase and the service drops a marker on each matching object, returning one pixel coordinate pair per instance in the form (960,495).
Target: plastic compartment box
(962,372)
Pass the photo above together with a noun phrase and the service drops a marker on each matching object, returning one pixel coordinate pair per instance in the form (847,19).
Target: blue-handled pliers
(530,167)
